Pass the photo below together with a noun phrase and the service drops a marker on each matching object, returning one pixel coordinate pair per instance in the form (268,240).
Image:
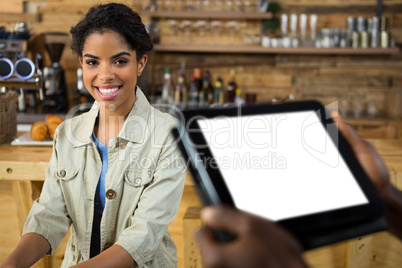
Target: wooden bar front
(22,172)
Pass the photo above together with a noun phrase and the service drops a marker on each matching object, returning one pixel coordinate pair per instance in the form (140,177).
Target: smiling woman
(119,210)
(110,69)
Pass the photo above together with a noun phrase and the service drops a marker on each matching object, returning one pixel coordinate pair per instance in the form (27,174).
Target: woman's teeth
(108,91)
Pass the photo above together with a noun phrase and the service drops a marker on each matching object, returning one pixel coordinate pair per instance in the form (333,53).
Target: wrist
(393,203)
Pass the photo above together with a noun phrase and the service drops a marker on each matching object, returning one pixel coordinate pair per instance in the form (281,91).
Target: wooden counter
(25,168)
(22,173)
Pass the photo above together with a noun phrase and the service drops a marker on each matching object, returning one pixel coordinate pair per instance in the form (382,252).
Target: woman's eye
(120,61)
(91,62)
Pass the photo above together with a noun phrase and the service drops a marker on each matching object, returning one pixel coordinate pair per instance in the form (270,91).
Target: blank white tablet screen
(281,166)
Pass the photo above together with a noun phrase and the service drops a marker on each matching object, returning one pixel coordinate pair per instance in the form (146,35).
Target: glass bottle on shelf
(219,93)
(353,29)
(303,28)
(313,26)
(362,29)
(210,97)
(238,98)
(375,32)
(286,40)
(206,96)
(384,34)
(166,102)
(180,94)
(231,88)
(293,30)
(192,102)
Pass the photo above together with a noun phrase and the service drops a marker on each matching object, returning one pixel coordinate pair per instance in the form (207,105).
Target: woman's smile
(108,92)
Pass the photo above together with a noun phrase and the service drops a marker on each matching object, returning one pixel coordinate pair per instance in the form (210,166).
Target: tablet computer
(284,162)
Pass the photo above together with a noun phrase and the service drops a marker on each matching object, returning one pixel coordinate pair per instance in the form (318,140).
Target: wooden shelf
(208,15)
(269,50)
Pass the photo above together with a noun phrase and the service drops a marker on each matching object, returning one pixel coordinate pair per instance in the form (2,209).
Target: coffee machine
(85,100)
(18,72)
(53,76)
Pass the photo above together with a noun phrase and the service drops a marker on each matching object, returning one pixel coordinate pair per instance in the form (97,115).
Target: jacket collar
(137,124)
(135,129)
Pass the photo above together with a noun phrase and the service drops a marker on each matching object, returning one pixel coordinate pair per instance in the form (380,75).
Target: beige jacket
(144,185)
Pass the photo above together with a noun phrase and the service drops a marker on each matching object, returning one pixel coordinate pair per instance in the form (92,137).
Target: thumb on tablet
(222,218)
(350,134)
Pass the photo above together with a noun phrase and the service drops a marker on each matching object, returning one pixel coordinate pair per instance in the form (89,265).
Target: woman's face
(110,70)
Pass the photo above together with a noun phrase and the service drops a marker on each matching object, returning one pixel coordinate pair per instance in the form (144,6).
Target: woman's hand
(259,242)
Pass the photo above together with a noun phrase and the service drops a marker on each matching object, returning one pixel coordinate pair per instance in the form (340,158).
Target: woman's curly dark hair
(118,18)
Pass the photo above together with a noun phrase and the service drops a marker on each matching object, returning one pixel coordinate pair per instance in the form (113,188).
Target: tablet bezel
(191,134)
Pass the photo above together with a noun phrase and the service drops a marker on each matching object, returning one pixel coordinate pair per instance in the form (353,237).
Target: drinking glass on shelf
(327,38)
(189,5)
(372,108)
(197,4)
(293,25)
(336,37)
(344,104)
(313,24)
(160,5)
(358,105)
(169,5)
(247,5)
(344,38)
(256,5)
(293,30)
(238,5)
(218,5)
(247,39)
(180,4)
(231,27)
(185,26)
(256,39)
(206,5)
(173,26)
(202,27)
(229,5)
(303,26)
(216,28)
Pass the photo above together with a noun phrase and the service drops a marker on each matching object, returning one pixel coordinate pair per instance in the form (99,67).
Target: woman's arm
(115,257)
(29,250)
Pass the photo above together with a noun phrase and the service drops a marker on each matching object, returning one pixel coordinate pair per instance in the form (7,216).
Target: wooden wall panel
(14,6)
(305,76)
(330,2)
